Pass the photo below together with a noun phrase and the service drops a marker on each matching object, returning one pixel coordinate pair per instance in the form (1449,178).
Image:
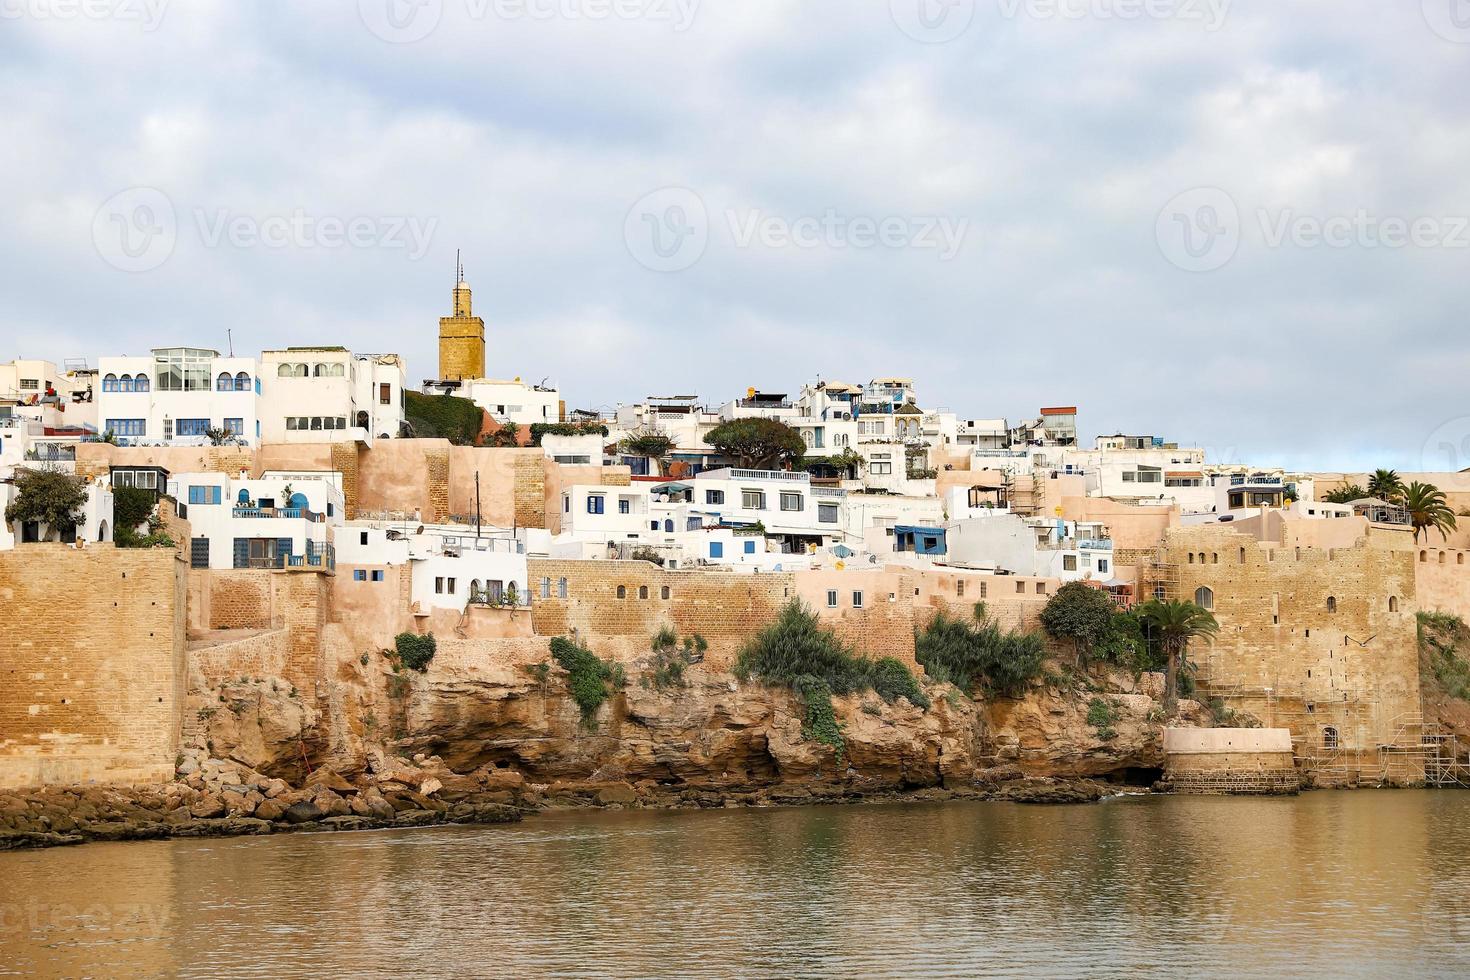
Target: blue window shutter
(717,549)
(750,547)
(242,552)
(283,548)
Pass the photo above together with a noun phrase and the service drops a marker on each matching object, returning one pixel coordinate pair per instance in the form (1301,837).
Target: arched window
(643,592)
(1191,558)
(664,592)
(1329,738)
(127,385)
(1242,556)
(1441,557)
(336,370)
(109,383)
(1332,603)
(362,420)
(140,383)
(1393,603)
(668,526)
(1423,556)
(224,382)
(622,592)
(242,381)
(1201,557)
(285,371)
(1204,597)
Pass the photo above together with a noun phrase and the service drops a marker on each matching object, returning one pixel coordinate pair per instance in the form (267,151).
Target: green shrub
(442,417)
(1080,615)
(892,680)
(131,506)
(820,723)
(588,677)
(415,651)
(980,654)
(1102,715)
(541,429)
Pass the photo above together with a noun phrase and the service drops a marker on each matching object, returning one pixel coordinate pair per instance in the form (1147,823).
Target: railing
(1094,544)
(1237,480)
(769,475)
(52,454)
(828,492)
(761,403)
(299,513)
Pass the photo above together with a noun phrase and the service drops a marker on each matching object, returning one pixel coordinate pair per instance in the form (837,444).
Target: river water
(1327,884)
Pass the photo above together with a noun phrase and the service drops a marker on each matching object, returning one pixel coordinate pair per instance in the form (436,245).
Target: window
(285,371)
(653,525)
(1102,565)
(183,369)
(127,427)
(127,382)
(714,496)
(753,499)
(377,575)
(566,503)
(624,505)
(546,587)
(385,394)
(199,553)
(1393,603)
(831,598)
(622,592)
(959,587)
(235,427)
(1069,563)
(561,588)
(668,525)
(359,575)
(595,503)
(750,547)
(643,592)
(1332,603)
(1204,597)
(362,537)
(1329,738)
(224,382)
(717,549)
(191,427)
(1020,588)
(1041,588)
(204,495)
(109,383)
(664,592)
(791,501)
(242,381)
(857,600)
(827,513)
(880,469)
(450,583)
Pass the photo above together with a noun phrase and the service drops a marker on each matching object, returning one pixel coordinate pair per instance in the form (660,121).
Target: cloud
(525,140)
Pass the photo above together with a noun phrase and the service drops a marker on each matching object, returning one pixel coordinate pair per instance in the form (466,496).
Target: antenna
(458,269)
(230,336)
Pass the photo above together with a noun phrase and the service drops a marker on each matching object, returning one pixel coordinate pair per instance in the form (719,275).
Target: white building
(329,394)
(514,401)
(175,395)
(452,565)
(275,522)
(95,524)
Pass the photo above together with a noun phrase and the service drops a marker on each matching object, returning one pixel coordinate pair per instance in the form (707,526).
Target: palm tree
(1175,624)
(1428,509)
(1386,485)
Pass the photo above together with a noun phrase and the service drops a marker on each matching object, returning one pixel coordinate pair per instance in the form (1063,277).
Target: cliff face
(709,731)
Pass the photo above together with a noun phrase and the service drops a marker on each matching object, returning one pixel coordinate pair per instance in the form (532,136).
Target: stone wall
(92,660)
(1310,639)
(1442,580)
(232,599)
(257,655)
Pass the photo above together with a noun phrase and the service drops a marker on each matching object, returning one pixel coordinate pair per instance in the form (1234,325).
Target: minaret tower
(461,335)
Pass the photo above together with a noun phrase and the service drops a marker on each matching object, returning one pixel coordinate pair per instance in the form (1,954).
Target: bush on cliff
(1080,615)
(415,651)
(442,417)
(980,653)
(588,678)
(798,652)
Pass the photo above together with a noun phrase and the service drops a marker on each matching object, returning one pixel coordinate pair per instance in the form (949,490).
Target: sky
(1238,226)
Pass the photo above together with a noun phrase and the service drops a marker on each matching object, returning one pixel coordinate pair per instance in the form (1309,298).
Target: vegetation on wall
(442,417)
(1440,636)
(757,444)
(671,656)
(542,429)
(589,679)
(978,653)
(798,652)
(1080,615)
(1102,715)
(1175,625)
(650,444)
(131,506)
(48,497)
(415,651)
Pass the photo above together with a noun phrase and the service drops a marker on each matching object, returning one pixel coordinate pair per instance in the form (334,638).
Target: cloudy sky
(1239,225)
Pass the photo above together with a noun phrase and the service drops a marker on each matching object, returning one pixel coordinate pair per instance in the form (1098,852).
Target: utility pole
(477,505)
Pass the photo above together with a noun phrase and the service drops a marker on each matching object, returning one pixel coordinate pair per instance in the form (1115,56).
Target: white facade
(172,396)
(267,523)
(96,524)
(330,395)
(515,401)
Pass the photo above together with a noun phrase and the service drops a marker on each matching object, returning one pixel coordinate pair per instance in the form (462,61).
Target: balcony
(1094,544)
(288,513)
(783,475)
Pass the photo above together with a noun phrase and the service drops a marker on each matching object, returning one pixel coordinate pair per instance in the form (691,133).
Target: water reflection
(1328,883)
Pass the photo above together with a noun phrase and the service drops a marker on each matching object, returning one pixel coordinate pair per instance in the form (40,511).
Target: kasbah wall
(92,656)
(1310,639)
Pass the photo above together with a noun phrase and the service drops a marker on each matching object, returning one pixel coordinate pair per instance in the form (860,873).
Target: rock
(270,810)
(330,780)
(620,793)
(276,787)
(188,765)
(236,803)
(347,823)
(1049,791)
(415,818)
(302,812)
(430,786)
(125,830)
(208,806)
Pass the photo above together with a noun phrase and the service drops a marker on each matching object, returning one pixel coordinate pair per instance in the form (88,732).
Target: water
(1326,884)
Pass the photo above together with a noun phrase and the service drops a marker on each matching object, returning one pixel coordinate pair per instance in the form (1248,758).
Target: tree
(649,443)
(1174,624)
(1080,614)
(222,437)
(1428,509)
(48,497)
(1346,494)
(131,507)
(506,436)
(757,444)
(1386,485)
